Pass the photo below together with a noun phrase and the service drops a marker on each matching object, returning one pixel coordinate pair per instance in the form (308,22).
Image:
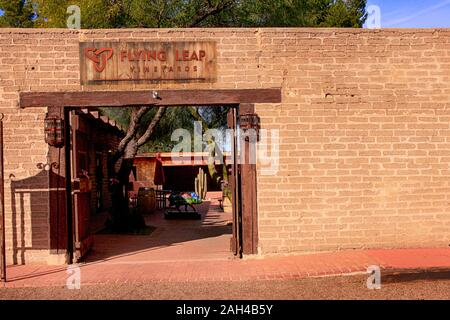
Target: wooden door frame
(244,185)
(64,102)
(248,185)
(198,97)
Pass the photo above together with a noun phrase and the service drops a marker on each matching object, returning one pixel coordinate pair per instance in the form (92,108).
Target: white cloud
(393,23)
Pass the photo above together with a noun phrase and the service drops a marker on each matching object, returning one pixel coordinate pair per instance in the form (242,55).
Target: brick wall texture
(364,129)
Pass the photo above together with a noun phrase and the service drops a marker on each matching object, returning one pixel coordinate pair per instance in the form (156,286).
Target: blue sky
(411,13)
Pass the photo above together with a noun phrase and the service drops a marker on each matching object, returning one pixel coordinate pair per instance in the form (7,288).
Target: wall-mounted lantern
(250,121)
(54,131)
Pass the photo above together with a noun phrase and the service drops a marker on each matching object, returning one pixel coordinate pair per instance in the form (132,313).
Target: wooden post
(69,212)
(248,192)
(2,207)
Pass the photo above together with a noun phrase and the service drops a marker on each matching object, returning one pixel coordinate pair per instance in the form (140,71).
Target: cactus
(201,184)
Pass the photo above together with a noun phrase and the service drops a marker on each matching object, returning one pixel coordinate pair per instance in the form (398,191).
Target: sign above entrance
(147,62)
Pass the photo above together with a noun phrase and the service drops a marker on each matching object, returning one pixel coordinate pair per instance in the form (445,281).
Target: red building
(174,171)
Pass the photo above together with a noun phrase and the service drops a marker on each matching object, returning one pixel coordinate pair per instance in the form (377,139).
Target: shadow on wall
(36,224)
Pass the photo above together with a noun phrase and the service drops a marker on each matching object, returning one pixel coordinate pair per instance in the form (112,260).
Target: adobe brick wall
(364,127)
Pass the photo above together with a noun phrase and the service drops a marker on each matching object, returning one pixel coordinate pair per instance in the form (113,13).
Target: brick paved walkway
(234,270)
(198,250)
(205,239)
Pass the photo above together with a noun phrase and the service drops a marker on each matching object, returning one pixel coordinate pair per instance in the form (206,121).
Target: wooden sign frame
(147,62)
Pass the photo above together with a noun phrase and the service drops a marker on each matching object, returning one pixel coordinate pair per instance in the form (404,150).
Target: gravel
(345,287)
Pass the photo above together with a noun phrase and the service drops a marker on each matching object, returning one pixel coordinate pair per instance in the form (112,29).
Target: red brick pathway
(218,270)
(198,250)
(205,239)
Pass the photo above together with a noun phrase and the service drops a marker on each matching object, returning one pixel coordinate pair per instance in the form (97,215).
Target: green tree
(186,13)
(345,13)
(204,13)
(134,13)
(17,14)
(303,13)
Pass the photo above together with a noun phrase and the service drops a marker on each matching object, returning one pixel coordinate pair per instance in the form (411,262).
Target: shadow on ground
(207,238)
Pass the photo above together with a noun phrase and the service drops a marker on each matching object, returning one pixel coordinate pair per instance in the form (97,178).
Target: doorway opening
(218,232)
(65,235)
(167,165)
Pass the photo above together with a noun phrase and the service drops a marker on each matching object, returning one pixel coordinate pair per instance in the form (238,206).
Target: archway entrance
(242,179)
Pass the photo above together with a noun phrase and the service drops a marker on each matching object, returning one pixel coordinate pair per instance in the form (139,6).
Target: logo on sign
(99,57)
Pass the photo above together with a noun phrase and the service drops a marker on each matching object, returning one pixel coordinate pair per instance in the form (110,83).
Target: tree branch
(196,115)
(151,127)
(135,118)
(210,12)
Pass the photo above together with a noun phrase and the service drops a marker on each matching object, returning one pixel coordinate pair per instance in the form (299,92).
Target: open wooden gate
(83,240)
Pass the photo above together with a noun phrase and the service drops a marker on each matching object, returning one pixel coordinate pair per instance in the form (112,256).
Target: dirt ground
(345,287)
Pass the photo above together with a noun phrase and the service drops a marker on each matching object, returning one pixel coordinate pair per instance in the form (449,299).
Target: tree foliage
(17,14)
(186,13)
(173,119)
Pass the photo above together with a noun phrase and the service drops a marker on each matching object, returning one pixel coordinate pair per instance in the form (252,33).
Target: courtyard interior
(207,238)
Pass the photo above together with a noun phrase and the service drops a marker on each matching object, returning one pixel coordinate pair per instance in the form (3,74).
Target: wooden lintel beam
(89,99)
